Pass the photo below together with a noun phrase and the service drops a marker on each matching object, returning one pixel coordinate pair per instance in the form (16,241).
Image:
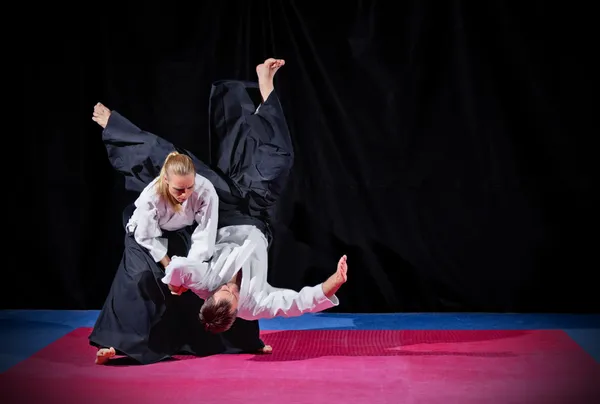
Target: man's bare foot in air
(266,71)
(101,115)
(267,349)
(104,354)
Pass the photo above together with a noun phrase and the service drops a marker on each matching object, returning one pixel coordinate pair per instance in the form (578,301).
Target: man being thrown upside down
(255,153)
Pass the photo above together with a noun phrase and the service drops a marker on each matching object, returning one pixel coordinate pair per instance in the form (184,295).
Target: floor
(340,344)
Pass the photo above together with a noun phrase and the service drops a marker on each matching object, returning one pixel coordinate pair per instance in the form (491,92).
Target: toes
(269,62)
(100,109)
(106,352)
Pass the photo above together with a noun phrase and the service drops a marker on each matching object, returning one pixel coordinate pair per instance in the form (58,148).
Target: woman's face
(181,186)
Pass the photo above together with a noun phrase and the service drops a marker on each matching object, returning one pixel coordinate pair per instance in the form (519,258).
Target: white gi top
(245,247)
(153,215)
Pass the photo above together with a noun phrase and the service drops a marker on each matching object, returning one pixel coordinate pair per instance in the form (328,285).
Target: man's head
(219,310)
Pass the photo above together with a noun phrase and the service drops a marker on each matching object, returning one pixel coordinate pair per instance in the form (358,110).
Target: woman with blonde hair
(252,156)
(175,214)
(174,200)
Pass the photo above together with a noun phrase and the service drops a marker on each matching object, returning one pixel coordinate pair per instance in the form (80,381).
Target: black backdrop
(444,146)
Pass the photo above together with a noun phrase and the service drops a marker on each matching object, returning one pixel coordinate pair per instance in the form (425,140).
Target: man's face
(229,294)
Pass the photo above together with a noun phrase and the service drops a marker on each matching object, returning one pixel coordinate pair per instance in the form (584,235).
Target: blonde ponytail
(178,164)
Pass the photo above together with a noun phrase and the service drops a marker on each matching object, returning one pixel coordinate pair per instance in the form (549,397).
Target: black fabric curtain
(444,146)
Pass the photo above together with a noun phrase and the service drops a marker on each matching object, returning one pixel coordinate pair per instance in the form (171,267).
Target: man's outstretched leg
(251,140)
(138,155)
(266,73)
(101,115)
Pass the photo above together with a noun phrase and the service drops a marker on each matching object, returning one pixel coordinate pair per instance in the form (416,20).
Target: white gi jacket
(153,215)
(245,247)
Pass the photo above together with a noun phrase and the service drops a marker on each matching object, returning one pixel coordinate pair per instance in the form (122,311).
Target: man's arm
(182,274)
(203,277)
(278,302)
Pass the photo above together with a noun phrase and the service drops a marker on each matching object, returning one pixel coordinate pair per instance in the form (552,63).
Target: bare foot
(101,115)
(104,354)
(266,71)
(267,349)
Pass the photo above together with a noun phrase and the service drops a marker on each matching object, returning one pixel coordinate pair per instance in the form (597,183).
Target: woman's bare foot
(104,354)
(101,115)
(266,71)
(267,349)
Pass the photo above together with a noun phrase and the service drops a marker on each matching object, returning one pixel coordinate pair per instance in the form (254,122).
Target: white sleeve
(274,302)
(183,272)
(207,217)
(204,277)
(148,232)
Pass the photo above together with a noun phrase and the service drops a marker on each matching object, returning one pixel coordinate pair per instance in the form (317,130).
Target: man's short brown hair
(217,316)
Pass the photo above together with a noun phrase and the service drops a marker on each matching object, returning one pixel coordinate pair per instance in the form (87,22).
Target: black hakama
(140,317)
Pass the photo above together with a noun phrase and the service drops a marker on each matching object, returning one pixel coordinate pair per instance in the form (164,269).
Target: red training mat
(343,366)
